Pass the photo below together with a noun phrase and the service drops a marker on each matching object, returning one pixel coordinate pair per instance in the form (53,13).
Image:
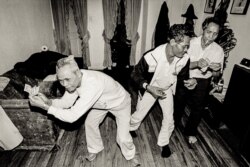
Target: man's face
(68,78)
(180,48)
(210,34)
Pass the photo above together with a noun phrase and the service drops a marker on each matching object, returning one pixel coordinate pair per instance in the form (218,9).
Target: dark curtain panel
(162,26)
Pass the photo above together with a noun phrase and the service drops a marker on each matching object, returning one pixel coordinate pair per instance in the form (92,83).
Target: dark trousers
(196,101)
(180,101)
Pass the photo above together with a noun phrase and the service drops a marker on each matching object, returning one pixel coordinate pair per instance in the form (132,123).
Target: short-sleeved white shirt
(214,53)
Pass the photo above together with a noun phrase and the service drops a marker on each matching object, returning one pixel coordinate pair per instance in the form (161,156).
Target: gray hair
(67,61)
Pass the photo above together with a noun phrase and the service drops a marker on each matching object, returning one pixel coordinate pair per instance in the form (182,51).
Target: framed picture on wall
(239,7)
(209,6)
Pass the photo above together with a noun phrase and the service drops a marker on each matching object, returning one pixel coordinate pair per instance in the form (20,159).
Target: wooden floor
(209,151)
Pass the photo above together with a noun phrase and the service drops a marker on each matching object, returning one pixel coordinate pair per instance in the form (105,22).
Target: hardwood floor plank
(51,159)
(178,141)
(176,161)
(70,149)
(144,147)
(43,159)
(152,138)
(29,159)
(57,158)
(5,157)
(17,158)
(217,146)
(78,147)
(111,149)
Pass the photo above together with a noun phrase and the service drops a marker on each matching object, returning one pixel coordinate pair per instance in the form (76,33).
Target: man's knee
(90,124)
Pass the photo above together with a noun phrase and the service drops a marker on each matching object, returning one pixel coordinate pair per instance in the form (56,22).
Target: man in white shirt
(206,61)
(95,91)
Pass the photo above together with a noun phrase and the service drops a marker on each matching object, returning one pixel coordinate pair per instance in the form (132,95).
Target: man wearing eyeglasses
(155,75)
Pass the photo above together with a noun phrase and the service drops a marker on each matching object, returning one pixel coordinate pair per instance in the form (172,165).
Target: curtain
(132,8)
(60,11)
(110,8)
(80,15)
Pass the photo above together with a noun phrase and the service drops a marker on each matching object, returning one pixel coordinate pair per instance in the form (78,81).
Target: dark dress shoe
(165,151)
(133,134)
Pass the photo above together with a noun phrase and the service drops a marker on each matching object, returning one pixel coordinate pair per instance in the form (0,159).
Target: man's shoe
(133,134)
(91,156)
(135,161)
(165,151)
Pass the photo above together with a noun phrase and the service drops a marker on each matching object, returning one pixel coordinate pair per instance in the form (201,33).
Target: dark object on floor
(166,152)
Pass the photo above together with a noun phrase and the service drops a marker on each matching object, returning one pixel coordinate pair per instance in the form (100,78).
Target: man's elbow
(71,119)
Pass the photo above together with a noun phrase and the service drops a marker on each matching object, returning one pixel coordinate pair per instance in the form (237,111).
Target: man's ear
(172,42)
(78,73)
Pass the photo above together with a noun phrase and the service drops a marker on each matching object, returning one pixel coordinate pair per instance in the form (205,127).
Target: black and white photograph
(124,83)
(239,7)
(209,6)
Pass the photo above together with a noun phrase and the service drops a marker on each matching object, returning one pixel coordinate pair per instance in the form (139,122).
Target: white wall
(24,27)
(240,25)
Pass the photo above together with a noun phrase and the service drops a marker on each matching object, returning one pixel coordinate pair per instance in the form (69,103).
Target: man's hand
(45,99)
(156,92)
(190,83)
(203,63)
(215,66)
(38,101)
